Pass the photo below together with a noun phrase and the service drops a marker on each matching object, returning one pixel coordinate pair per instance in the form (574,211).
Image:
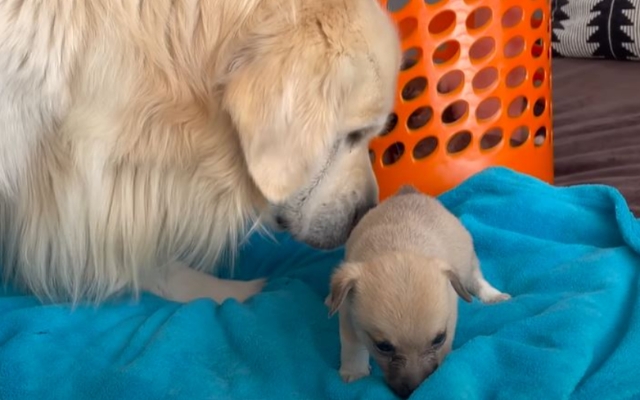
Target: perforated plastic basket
(474,92)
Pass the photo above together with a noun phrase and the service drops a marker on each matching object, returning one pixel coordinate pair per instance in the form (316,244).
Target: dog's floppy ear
(457,286)
(342,283)
(284,99)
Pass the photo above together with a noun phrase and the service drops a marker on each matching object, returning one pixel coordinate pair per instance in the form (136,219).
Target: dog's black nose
(360,212)
(281,223)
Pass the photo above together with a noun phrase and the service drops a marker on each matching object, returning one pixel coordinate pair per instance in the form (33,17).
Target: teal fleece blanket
(569,256)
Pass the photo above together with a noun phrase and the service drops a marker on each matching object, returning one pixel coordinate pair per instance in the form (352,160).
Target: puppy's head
(404,308)
(306,91)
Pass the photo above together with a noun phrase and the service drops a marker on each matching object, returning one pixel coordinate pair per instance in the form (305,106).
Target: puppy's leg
(354,356)
(183,284)
(482,289)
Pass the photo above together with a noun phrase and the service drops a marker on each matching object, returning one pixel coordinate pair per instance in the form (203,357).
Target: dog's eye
(439,339)
(355,137)
(385,347)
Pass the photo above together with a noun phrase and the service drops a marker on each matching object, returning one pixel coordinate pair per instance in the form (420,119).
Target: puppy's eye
(385,347)
(355,137)
(439,340)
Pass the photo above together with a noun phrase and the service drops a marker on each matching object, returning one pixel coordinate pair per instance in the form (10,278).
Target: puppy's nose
(404,389)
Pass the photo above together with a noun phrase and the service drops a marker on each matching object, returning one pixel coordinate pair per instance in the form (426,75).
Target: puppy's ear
(342,283)
(457,286)
(407,189)
(284,98)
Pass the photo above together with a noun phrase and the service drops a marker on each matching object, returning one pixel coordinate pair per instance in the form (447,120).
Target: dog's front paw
(243,290)
(350,375)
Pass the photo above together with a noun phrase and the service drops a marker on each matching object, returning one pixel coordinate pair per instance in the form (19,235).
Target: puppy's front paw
(350,375)
(243,290)
(490,295)
(495,298)
(501,297)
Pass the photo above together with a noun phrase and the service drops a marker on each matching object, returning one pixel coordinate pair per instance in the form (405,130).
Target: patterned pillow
(596,29)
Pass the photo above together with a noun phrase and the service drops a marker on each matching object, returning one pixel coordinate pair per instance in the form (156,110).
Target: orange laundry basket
(474,91)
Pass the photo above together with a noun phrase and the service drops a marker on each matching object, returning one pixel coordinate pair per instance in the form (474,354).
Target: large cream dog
(140,139)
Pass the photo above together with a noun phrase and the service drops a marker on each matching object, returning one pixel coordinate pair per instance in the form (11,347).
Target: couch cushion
(596,29)
(597,124)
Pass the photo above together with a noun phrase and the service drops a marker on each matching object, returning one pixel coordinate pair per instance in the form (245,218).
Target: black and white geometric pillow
(596,29)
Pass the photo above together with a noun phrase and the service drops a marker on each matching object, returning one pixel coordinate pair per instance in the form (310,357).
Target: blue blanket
(572,331)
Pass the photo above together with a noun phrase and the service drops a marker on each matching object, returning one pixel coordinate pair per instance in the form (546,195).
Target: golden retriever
(141,139)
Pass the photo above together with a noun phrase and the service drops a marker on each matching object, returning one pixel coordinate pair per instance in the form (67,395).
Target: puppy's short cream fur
(139,140)
(396,290)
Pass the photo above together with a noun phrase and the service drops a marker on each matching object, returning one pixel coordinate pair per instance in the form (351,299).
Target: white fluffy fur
(139,137)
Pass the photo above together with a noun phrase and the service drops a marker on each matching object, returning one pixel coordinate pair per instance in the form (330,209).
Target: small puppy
(396,290)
